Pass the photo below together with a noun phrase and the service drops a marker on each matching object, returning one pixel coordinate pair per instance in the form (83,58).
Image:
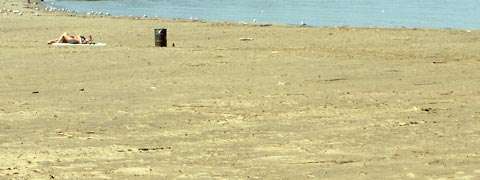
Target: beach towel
(68,44)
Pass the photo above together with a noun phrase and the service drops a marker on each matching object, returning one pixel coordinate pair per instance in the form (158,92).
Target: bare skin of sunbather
(65,38)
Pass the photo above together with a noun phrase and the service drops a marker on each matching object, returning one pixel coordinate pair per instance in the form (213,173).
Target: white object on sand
(68,44)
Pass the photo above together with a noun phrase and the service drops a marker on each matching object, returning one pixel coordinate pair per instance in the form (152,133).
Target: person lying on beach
(65,38)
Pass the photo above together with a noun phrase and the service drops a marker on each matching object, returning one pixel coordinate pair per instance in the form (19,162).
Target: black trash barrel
(161,37)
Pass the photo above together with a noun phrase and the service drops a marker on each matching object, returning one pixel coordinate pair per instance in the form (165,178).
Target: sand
(235,101)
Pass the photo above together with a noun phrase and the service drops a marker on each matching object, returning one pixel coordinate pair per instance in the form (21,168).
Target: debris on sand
(246,39)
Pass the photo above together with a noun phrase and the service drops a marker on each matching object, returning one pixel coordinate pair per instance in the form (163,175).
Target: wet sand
(235,101)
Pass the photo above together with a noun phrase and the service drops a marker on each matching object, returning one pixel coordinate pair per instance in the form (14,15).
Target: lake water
(457,14)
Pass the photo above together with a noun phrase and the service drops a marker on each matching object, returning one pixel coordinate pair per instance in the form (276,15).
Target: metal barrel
(161,37)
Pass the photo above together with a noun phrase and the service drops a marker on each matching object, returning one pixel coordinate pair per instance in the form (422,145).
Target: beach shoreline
(409,13)
(36,6)
(235,101)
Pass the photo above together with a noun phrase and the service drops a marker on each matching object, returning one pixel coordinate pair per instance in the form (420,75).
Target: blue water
(457,14)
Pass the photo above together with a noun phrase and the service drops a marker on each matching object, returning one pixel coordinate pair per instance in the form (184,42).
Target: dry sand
(290,103)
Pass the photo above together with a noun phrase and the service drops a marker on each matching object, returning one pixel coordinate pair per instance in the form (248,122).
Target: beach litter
(439,62)
(246,39)
(265,25)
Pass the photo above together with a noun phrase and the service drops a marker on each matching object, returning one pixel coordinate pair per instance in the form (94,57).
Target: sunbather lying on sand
(65,38)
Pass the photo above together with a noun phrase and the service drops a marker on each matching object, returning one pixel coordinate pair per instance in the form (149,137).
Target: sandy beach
(235,101)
